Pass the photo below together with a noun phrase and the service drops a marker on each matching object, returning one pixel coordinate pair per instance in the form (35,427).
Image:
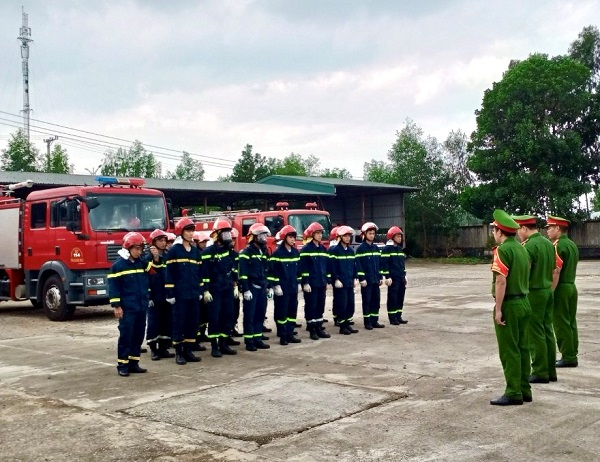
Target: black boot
(292,339)
(402,321)
(134,367)
(283,340)
(344,328)
(261,345)
(123,370)
(351,329)
(231,342)
(321,331)
(189,356)
(235,333)
(313,332)
(197,346)
(155,356)
(214,349)
(377,325)
(179,356)
(224,347)
(163,348)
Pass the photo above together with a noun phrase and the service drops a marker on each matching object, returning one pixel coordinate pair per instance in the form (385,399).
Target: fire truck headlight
(95,281)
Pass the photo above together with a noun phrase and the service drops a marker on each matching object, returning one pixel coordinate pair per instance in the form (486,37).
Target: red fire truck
(58,244)
(272,219)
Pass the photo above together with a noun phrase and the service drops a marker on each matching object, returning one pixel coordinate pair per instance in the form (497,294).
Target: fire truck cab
(273,219)
(58,244)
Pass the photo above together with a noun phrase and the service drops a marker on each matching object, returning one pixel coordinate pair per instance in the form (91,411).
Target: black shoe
(180,359)
(377,325)
(402,321)
(250,347)
(553,379)
(123,372)
(136,369)
(264,337)
(322,334)
(313,334)
(191,357)
(155,356)
(215,352)
(536,379)
(368,327)
(527,399)
(394,322)
(224,347)
(345,331)
(229,341)
(563,363)
(504,401)
(293,339)
(283,341)
(235,333)
(262,345)
(164,353)
(352,330)
(198,347)
(266,329)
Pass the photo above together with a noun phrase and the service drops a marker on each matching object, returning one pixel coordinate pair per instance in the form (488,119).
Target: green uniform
(565,299)
(512,261)
(542,342)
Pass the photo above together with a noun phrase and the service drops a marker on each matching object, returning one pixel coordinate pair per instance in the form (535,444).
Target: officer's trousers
(159,322)
(254,314)
(395,297)
(220,313)
(371,299)
(513,347)
(542,342)
(343,299)
(131,335)
(185,320)
(565,320)
(314,305)
(286,310)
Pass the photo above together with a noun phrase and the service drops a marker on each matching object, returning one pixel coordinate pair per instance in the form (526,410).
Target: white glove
(151,304)
(207,297)
(405,280)
(269,293)
(388,282)
(338,284)
(248,295)
(236,292)
(306,288)
(278,291)
(299,288)
(171,300)
(363,283)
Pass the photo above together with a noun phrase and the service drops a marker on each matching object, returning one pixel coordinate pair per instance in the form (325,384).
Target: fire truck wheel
(54,300)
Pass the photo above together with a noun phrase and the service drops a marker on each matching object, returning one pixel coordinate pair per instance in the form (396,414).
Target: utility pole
(25,39)
(48,142)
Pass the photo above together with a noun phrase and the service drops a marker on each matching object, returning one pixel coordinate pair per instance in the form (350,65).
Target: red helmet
(221,224)
(234,233)
(171,237)
(312,229)
(183,224)
(131,239)
(201,236)
(156,234)
(393,231)
(343,230)
(285,231)
(333,234)
(367,226)
(258,228)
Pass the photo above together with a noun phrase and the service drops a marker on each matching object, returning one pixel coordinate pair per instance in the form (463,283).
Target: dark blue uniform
(342,268)
(160,311)
(128,288)
(313,269)
(253,278)
(367,269)
(285,272)
(393,266)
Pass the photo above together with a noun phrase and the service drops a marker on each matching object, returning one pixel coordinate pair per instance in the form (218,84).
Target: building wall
(384,210)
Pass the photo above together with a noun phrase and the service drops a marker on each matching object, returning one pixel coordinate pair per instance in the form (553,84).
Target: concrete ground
(416,392)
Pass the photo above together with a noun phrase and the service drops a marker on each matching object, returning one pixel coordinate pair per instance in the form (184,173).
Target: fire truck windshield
(120,212)
(301,221)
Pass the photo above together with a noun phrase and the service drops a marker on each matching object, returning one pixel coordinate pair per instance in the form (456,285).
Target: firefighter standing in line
(369,276)
(342,269)
(393,268)
(254,285)
(284,275)
(182,284)
(236,291)
(158,334)
(565,294)
(201,240)
(510,269)
(128,288)
(313,270)
(542,259)
(218,280)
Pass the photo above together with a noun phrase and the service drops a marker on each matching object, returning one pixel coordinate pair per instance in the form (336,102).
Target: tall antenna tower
(25,39)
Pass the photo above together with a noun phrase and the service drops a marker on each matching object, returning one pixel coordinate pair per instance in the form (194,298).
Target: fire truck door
(38,239)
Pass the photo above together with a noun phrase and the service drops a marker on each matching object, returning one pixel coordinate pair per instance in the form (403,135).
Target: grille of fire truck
(111,252)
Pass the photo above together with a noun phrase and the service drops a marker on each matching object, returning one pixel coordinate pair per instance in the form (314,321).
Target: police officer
(313,269)
(284,276)
(219,280)
(541,331)
(393,268)
(182,284)
(342,270)
(158,334)
(565,294)
(510,269)
(128,293)
(254,285)
(369,276)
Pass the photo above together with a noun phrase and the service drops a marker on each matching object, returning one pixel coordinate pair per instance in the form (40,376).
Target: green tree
(251,167)
(135,162)
(188,169)
(527,149)
(58,162)
(20,155)
(293,164)
(335,173)
(416,160)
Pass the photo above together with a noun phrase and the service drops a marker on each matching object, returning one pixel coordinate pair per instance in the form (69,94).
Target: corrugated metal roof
(320,185)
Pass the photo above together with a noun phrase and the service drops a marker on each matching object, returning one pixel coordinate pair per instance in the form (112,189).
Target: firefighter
(170,240)
(369,275)
(218,283)
(254,285)
(128,292)
(342,269)
(284,275)
(394,270)
(182,284)
(313,269)
(236,293)
(158,334)
(202,240)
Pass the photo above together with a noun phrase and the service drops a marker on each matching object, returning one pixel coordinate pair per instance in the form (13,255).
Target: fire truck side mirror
(91,202)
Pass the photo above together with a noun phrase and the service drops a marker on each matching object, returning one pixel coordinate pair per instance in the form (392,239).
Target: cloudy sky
(335,79)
